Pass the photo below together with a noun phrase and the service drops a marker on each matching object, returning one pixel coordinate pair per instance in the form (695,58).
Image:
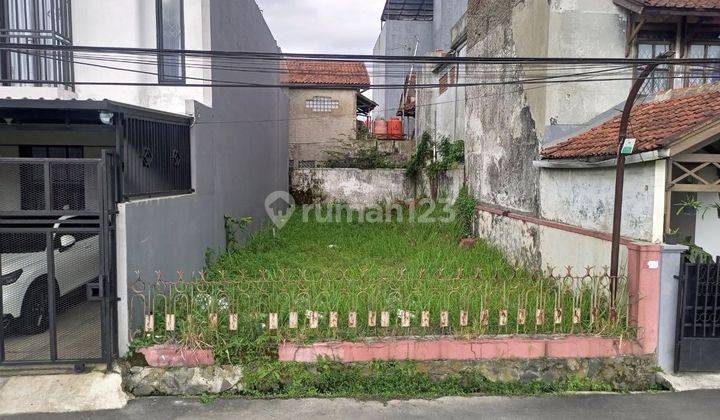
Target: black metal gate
(57,260)
(697,347)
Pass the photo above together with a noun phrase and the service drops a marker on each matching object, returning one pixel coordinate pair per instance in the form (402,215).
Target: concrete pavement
(681,405)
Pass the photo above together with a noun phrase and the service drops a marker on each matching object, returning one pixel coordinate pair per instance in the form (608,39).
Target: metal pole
(620,178)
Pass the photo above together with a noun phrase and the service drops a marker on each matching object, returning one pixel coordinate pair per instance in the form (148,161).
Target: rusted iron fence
(291,306)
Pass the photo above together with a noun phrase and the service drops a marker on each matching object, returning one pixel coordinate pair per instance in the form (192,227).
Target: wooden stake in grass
(293,321)
(149,323)
(463,318)
(485,317)
(169,322)
(213,321)
(558,316)
(233,321)
(405,318)
(333,319)
(385,319)
(539,317)
(372,319)
(521,316)
(425,319)
(273,321)
(444,319)
(314,319)
(577,315)
(352,320)
(503,317)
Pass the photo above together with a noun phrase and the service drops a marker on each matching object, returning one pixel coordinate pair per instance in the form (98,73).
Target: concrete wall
(239,150)
(446,14)
(585,198)
(366,188)
(99,23)
(312,133)
(397,37)
(505,124)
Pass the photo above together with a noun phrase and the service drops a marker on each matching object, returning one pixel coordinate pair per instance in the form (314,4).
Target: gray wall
(446,15)
(236,164)
(397,37)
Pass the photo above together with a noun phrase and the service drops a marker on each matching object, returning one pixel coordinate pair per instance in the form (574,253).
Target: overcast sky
(324,26)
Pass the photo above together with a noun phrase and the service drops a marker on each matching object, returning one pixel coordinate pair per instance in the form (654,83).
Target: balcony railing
(36,22)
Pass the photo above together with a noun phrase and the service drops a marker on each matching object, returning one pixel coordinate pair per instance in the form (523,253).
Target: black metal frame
(53,30)
(697,341)
(134,127)
(102,223)
(162,78)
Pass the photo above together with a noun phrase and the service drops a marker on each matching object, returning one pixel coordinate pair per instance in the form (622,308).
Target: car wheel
(35,314)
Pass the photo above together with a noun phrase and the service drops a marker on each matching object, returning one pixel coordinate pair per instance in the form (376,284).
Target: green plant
(232,227)
(423,153)
(696,254)
(715,205)
(359,150)
(689,205)
(465,208)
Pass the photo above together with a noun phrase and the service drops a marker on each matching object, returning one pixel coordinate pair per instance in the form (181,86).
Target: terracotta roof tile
(654,125)
(344,73)
(681,4)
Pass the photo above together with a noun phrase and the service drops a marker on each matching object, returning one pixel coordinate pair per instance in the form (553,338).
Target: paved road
(685,405)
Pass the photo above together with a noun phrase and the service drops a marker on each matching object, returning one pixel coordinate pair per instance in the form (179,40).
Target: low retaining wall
(423,349)
(623,373)
(363,188)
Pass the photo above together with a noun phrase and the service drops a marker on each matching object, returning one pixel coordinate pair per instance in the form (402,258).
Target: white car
(23,260)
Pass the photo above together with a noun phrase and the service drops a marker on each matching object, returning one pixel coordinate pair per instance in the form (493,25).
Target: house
(411,28)
(326,101)
(147,155)
(527,144)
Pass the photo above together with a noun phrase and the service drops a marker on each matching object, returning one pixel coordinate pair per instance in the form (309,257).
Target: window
(708,73)
(170,36)
(322,104)
(660,79)
(36,22)
(444,83)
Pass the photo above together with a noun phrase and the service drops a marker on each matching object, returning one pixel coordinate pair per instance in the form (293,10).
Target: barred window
(322,104)
(701,74)
(660,79)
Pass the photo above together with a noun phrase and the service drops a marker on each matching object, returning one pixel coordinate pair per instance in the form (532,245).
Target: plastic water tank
(380,127)
(395,127)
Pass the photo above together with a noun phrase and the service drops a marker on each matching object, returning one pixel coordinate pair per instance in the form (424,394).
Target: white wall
(585,198)
(131,23)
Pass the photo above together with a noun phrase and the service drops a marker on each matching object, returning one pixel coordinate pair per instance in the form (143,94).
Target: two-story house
(189,140)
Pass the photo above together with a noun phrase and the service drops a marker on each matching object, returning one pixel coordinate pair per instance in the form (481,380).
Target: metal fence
(291,306)
(55,261)
(156,158)
(38,22)
(698,318)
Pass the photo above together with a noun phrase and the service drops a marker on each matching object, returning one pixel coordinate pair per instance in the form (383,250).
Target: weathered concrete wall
(537,247)
(367,188)
(585,198)
(505,124)
(312,133)
(445,14)
(441,114)
(397,37)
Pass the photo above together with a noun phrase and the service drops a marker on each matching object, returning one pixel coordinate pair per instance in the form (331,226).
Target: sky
(324,26)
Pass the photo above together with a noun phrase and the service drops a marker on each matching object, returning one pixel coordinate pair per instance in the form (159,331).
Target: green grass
(353,267)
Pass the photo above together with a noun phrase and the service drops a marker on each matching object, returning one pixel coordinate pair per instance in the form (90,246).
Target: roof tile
(681,4)
(654,125)
(344,73)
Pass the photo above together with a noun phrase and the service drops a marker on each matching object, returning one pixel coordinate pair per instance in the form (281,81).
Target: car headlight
(10,278)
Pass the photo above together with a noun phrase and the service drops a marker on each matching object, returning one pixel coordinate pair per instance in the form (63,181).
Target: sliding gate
(697,347)
(57,261)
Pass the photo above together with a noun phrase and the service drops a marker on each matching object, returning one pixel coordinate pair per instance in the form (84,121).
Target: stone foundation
(623,373)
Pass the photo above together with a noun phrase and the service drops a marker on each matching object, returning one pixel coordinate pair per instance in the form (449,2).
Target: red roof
(681,4)
(654,125)
(352,74)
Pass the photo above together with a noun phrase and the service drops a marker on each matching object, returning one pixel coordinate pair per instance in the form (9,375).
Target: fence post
(644,261)
(671,257)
